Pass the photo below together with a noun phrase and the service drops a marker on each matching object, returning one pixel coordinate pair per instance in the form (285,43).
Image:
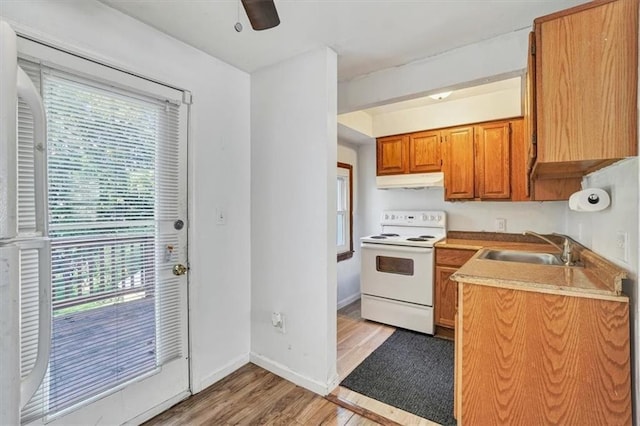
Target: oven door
(398,272)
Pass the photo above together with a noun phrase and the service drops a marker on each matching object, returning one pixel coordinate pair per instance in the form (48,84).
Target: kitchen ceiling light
(440,96)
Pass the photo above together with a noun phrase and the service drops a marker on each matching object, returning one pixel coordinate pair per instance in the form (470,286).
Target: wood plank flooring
(357,338)
(254,396)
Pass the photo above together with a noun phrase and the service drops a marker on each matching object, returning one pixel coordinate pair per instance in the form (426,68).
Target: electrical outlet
(622,246)
(501,225)
(277,320)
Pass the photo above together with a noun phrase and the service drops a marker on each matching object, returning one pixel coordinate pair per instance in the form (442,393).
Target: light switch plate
(622,246)
(501,225)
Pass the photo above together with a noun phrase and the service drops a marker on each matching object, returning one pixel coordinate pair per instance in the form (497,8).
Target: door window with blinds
(114,192)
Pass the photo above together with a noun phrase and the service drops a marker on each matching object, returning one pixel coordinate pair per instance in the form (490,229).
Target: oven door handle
(400,249)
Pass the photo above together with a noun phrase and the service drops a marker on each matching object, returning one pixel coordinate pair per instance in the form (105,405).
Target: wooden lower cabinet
(524,357)
(448,260)
(445,306)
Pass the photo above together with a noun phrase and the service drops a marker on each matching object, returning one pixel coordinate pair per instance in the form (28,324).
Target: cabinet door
(493,172)
(530,114)
(392,155)
(519,174)
(445,302)
(458,163)
(424,152)
(570,353)
(586,85)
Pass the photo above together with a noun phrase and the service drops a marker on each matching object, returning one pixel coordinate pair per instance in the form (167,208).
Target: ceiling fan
(261,13)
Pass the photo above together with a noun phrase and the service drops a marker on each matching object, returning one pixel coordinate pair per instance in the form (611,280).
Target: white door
(117,224)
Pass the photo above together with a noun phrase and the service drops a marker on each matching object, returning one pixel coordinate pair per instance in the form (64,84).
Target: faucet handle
(567,252)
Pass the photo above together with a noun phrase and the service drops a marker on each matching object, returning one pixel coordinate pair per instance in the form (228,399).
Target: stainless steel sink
(522,257)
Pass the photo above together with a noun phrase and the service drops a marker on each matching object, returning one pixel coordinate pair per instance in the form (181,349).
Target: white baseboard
(284,372)
(347,300)
(205,382)
(161,408)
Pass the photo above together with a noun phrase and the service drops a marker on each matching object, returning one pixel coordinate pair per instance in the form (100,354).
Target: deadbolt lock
(179,269)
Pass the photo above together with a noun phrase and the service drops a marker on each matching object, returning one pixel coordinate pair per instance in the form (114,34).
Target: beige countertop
(597,277)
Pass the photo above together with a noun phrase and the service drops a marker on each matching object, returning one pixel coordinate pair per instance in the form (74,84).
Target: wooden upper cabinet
(528,146)
(493,160)
(458,163)
(411,153)
(392,155)
(424,152)
(485,161)
(586,87)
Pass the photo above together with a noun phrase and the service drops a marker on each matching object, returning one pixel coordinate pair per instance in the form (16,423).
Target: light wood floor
(252,395)
(357,339)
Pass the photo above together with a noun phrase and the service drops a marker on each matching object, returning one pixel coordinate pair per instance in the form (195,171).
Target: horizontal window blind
(342,227)
(112,177)
(29,270)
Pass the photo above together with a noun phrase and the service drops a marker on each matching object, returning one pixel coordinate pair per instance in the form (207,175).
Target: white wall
(462,216)
(349,269)
(447,113)
(359,121)
(598,231)
(293,205)
(478,62)
(219,282)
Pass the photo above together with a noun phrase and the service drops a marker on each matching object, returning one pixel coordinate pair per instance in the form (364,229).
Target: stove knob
(424,217)
(439,218)
(386,217)
(432,217)
(393,217)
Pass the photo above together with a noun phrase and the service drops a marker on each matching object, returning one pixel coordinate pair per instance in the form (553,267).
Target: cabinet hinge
(534,139)
(533,47)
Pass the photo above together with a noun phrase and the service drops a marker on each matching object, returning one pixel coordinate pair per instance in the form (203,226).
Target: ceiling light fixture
(440,96)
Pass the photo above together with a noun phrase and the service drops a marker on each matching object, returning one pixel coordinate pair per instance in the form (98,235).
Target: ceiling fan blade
(262,14)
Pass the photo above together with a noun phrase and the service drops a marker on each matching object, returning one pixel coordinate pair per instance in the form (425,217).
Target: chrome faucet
(566,249)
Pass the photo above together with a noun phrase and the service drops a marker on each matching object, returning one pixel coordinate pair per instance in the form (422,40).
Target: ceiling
(368,35)
(467,92)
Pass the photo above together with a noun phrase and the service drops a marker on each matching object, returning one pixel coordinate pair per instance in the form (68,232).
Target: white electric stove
(397,269)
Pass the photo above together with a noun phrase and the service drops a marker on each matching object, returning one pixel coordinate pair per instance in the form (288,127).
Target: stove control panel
(432,219)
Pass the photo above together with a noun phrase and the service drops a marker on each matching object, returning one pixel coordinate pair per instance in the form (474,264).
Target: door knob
(179,269)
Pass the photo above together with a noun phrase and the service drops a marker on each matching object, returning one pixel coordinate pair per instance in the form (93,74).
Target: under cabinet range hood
(411,180)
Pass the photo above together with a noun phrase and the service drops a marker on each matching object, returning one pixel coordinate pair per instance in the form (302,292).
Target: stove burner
(417,239)
(426,236)
(390,235)
(378,237)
